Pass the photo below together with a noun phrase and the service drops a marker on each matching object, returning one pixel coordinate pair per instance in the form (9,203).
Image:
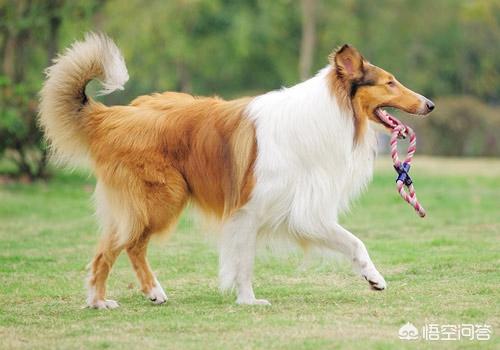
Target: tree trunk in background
(308,37)
(184,79)
(9,55)
(98,19)
(54,25)
(22,40)
(15,41)
(362,11)
(54,22)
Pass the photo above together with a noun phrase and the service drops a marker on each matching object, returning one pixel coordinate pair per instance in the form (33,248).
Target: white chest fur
(307,168)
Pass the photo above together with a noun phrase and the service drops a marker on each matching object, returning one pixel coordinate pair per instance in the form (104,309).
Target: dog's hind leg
(100,267)
(116,224)
(149,284)
(237,254)
(164,203)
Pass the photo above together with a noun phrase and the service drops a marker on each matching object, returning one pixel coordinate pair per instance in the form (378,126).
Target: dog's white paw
(374,278)
(107,304)
(252,302)
(157,294)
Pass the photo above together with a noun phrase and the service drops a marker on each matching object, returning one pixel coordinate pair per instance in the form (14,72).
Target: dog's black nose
(430,105)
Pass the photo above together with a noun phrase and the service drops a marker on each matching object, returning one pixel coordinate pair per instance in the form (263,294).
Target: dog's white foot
(94,303)
(157,294)
(253,301)
(374,278)
(103,304)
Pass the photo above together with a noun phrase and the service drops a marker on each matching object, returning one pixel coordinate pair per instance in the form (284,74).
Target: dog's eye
(391,83)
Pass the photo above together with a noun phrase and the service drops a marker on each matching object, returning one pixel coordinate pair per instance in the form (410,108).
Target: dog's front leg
(340,239)
(237,255)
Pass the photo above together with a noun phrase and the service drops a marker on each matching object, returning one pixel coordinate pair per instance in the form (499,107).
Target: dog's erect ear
(347,62)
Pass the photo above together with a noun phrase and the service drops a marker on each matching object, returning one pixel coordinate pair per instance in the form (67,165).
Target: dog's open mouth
(387,120)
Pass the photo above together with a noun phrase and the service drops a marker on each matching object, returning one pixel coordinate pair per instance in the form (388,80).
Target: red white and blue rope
(402,131)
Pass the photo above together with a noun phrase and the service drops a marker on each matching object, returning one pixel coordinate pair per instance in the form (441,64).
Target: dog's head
(370,88)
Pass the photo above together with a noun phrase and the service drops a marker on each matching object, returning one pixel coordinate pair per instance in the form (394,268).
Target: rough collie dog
(286,162)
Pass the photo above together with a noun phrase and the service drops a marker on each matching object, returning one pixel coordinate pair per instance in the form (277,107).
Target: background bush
(460,126)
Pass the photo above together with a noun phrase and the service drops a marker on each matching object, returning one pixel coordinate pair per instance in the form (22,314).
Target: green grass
(442,269)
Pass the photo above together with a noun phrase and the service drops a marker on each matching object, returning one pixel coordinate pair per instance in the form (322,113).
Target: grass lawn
(443,269)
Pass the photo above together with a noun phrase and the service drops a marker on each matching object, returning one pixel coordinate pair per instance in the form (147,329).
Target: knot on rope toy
(401,131)
(403,175)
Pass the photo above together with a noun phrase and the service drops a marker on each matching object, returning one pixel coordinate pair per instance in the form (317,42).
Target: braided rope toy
(401,131)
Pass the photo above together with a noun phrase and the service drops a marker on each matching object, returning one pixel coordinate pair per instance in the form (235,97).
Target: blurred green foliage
(235,47)
(29,39)
(463,126)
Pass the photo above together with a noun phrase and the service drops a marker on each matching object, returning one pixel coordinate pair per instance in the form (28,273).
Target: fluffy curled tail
(63,102)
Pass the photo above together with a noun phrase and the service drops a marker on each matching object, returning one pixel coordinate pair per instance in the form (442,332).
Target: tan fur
(340,90)
(150,157)
(351,68)
(382,95)
(100,267)
(339,82)
(163,149)
(348,67)
(64,91)
(137,255)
